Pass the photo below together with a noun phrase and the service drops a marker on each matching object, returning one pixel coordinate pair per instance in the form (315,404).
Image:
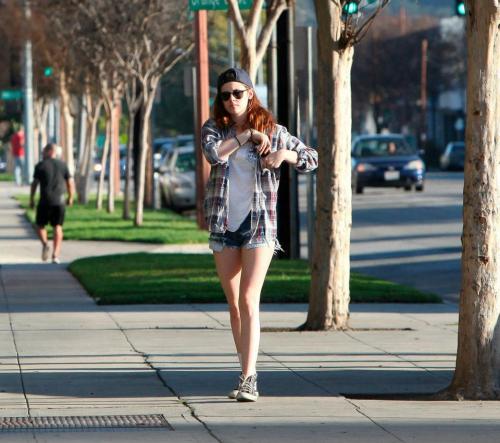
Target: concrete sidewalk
(61,355)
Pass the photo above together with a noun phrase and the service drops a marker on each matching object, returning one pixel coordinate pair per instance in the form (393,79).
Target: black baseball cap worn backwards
(234,75)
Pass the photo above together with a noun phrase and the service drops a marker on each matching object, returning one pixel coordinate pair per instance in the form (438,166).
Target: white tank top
(242,166)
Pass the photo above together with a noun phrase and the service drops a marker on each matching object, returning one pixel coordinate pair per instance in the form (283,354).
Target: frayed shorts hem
(218,246)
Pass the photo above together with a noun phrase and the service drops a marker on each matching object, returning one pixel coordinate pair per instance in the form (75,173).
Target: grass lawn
(6,177)
(84,222)
(191,278)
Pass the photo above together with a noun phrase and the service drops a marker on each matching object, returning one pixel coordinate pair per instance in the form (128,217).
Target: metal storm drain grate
(84,422)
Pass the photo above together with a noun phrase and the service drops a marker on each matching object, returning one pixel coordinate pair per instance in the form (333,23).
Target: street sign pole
(203,109)
(28,102)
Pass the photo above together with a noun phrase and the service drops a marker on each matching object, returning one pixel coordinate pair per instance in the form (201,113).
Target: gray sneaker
(248,389)
(45,252)
(232,394)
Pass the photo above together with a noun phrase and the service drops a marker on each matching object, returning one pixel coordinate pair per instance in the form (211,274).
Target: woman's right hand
(262,141)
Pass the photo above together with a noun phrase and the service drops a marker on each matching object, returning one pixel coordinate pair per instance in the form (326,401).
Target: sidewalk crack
(18,360)
(157,371)
(209,315)
(398,356)
(359,411)
(320,387)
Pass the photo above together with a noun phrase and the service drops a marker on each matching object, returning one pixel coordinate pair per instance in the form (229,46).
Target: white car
(177,178)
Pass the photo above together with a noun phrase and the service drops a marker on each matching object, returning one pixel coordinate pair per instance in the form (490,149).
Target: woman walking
(246,149)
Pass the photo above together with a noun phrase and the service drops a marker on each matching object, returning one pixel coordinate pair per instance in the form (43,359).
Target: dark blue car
(386,161)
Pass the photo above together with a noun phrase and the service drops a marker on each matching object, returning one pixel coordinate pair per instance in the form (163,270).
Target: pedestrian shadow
(196,378)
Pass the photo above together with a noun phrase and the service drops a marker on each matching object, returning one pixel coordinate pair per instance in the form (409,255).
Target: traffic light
(460,7)
(48,71)
(351,7)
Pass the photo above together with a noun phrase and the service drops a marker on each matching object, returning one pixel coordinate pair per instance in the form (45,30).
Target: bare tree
(134,100)
(149,39)
(337,34)
(477,373)
(112,91)
(254,42)
(58,42)
(93,104)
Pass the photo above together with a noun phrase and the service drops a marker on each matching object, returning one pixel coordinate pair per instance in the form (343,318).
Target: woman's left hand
(276,158)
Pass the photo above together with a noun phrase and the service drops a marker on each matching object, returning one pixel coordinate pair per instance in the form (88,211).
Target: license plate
(391,175)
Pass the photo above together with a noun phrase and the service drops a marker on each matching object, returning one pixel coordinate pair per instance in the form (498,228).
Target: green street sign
(15,94)
(213,5)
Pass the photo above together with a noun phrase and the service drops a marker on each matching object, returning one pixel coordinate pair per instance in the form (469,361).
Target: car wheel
(407,188)
(419,188)
(359,189)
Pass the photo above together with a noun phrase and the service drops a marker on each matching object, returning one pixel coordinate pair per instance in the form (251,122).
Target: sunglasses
(237,93)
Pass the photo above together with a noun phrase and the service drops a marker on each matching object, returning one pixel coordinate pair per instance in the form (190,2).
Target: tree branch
(267,31)
(364,28)
(234,10)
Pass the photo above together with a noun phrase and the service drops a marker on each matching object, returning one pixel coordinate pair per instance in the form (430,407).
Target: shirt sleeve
(307,158)
(67,174)
(211,139)
(36,173)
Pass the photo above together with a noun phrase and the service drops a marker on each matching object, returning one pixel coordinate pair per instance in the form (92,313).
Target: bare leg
(42,234)
(255,263)
(58,238)
(228,264)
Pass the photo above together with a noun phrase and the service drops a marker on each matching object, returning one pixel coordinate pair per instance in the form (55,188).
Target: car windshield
(185,162)
(382,147)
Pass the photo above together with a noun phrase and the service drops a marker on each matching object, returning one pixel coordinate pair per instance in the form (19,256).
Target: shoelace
(241,379)
(249,385)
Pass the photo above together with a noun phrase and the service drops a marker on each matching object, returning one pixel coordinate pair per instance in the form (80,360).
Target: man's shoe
(45,252)
(248,389)
(55,260)
(232,394)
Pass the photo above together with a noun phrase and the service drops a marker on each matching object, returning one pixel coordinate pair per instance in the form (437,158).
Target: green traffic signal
(351,7)
(460,8)
(48,71)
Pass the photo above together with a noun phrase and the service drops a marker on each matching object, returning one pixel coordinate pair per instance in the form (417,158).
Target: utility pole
(309,136)
(203,110)
(28,99)
(423,95)
(288,220)
(272,69)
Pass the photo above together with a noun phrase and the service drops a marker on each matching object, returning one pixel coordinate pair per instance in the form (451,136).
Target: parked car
(386,161)
(162,145)
(453,157)
(184,140)
(123,164)
(177,178)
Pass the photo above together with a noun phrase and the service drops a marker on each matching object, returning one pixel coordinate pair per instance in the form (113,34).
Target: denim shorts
(240,238)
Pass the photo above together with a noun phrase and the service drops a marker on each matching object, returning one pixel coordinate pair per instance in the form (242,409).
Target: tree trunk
(477,374)
(329,292)
(40,108)
(128,167)
(146,116)
(86,169)
(67,122)
(104,162)
(249,58)
(114,157)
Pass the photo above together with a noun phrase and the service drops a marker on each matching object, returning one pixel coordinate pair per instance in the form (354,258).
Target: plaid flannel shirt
(263,208)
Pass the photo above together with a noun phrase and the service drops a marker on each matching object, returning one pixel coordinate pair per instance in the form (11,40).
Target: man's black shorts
(53,214)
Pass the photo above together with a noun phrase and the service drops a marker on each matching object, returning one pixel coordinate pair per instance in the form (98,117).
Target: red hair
(259,118)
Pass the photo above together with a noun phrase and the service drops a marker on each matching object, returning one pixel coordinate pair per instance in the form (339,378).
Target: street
(408,237)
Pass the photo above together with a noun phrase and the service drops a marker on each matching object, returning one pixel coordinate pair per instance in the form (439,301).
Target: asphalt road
(412,238)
